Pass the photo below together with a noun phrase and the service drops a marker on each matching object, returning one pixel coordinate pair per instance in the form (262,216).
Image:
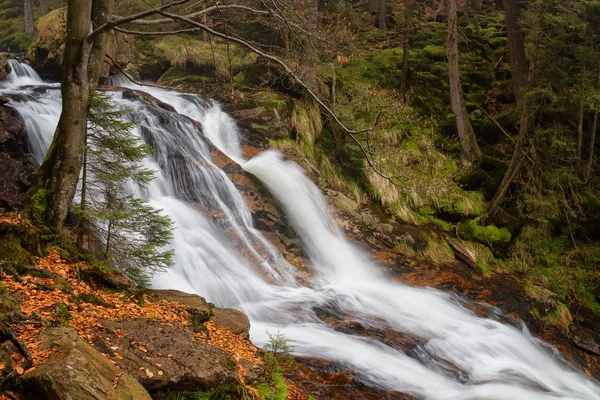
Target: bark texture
(28,14)
(470,149)
(59,174)
(516,48)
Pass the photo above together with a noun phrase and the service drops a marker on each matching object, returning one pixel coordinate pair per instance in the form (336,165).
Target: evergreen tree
(133,233)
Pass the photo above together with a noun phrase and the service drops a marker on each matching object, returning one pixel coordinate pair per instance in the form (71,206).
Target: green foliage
(134,233)
(473,229)
(277,350)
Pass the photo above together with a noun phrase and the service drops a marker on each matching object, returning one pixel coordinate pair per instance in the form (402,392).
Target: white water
(218,257)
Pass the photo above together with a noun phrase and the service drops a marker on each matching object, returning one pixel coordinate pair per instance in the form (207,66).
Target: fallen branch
(8,333)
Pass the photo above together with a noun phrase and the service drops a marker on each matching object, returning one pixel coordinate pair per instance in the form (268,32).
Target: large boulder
(78,371)
(163,358)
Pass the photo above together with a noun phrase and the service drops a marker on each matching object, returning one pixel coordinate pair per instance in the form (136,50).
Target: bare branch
(129,77)
(157,33)
(123,20)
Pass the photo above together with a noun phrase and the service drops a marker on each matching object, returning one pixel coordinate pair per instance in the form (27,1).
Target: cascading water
(217,256)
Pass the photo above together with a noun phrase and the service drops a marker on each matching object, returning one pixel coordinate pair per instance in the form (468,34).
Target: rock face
(16,168)
(78,371)
(165,358)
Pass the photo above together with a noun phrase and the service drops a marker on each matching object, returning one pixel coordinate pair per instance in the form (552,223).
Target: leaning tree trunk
(516,48)
(28,14)
(470,149)
(59,174)
(520,153)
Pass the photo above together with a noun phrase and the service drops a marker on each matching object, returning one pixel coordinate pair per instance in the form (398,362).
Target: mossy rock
(13,257)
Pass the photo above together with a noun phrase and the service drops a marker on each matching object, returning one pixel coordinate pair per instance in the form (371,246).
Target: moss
(436,53)
(198,325)
(277,390)
(91,298)
(40,202)
(472,229)
(13,257)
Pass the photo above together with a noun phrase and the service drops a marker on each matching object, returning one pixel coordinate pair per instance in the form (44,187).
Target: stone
(163,358)
(5,68)
(78,371)
(234,320)
(196,305)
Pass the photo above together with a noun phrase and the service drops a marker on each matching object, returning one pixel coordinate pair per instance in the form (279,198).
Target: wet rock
(15,178)
(16,169)
(166,358)
(78,371)
(5,68)
(196,305)
(234,320)
(585,340)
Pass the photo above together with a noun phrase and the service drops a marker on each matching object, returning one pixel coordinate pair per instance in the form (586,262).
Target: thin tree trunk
(580,132)
(590,162)
(526,114)
(405,47)
(382,15)
(516,48)
(470,149)
(44,7)
(28,14)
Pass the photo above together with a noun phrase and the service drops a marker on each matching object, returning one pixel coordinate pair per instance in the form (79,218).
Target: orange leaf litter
(84,316)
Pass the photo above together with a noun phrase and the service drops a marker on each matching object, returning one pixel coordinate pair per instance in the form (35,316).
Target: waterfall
(225,259)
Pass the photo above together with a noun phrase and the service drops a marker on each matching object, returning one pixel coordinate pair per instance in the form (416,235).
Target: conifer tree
(133,233)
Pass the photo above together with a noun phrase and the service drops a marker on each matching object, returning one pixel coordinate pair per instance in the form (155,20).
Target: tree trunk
(28,13)
(590,162)
(580,132)
(59,174)
(520,152)
(588,169)
(405,47)
(382,15)
(470,149)
(516,48)
(44,7)
(101,14)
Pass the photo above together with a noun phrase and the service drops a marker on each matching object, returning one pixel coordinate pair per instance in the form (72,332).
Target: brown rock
(196,305)
(166,358)
(78,371)
(234,320)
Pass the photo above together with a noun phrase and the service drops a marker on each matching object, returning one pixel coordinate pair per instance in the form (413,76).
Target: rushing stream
(221,256)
